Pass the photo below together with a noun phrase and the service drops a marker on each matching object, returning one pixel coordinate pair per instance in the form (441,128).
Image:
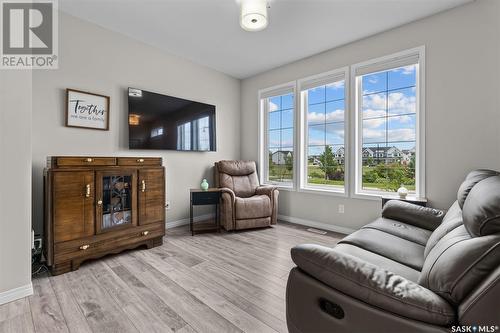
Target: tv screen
(158,121)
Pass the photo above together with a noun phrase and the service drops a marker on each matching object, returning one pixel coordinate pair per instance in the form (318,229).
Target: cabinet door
(73,205)
(116,199)
(151,196)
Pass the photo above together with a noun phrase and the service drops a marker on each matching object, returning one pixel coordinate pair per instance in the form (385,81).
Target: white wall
(462,104)
(15,189)
(98,60)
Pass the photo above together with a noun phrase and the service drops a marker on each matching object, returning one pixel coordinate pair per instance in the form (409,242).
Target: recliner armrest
(265,190)
(423,217)
(372,284)
(229,192)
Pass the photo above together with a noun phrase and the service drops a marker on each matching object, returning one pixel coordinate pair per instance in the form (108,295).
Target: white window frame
(302,86)
(378,65)
(282,89)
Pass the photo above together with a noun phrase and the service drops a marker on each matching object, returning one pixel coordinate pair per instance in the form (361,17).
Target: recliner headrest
(481,210)
(237,168)
(472,179)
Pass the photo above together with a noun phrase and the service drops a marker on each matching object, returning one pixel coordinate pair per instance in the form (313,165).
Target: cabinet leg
(61,268)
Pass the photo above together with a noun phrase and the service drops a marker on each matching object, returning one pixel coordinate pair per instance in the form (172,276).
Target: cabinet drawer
(205,198)
(89,246)
(84,161)
(137,161)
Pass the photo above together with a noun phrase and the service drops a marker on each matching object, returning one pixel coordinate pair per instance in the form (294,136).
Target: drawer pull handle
(140,160)
(84,247)
(99,203)
(89,160)
(145,233)
(143,185)
(87,191)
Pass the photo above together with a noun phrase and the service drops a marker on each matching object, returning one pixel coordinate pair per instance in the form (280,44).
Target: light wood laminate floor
(227,282)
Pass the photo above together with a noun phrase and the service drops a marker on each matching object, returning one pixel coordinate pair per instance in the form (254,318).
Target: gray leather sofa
(414,269)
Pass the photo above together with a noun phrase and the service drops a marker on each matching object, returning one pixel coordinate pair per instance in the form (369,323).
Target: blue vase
(204,185)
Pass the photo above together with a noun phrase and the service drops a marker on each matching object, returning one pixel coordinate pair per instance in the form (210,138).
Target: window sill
(280,187)
(323,191)
(376,195)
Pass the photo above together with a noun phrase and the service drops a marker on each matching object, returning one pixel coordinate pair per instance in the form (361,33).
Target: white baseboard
(315,224)
(16,293)
(178,223)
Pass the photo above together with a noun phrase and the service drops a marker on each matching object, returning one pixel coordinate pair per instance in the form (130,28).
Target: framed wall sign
(87,110)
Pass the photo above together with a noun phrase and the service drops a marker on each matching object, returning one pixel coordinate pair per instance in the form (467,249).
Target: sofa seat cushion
(403,230)
(372,284)
(387,245)
(377,260)
(253,207)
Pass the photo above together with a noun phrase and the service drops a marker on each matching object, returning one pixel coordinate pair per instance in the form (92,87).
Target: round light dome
(253,15)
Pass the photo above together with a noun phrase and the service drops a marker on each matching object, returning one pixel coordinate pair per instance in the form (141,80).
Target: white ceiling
(207,31)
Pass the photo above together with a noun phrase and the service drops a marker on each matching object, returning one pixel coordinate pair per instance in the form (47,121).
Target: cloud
(319,118)
(336,85)
(406,70)
(369,113)
(397,103)
(400,134)
(374,123)
(272,107)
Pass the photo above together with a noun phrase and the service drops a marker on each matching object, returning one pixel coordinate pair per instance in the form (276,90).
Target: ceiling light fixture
(254,15)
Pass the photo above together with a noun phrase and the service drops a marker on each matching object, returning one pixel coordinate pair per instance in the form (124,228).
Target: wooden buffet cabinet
(100,205)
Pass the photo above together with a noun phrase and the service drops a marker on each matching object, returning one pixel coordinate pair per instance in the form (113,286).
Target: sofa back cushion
(470,181)
(481,210)
(458,262)
(239,176)
(465,248)
(452,219)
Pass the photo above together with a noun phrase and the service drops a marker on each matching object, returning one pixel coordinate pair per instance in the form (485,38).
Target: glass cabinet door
(116,202)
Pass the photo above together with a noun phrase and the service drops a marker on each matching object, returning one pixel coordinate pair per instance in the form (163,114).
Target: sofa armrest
(423,217)
(372,284)
(266,190)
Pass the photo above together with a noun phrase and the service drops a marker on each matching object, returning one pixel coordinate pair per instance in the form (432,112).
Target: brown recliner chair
(245,204)
(414,269)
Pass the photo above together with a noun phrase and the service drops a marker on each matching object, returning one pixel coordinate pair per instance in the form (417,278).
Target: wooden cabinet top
(57,162)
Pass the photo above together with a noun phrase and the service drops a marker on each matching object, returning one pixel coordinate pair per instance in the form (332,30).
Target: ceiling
(207,32)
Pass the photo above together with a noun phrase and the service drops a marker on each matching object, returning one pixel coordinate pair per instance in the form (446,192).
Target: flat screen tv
(158,121)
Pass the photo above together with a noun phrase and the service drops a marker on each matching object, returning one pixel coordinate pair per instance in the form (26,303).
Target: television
(163,122)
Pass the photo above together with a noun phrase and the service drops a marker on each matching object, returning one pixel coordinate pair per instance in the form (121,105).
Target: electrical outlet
(167,205)
(341,209)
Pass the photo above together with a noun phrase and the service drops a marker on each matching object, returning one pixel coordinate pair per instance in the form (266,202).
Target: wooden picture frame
(87,110)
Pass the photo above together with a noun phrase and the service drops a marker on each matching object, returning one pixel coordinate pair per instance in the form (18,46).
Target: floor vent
(316,231)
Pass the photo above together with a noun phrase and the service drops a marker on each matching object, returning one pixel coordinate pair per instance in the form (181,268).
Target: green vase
(204,185)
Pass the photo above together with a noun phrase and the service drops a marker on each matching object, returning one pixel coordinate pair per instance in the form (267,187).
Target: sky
(388,108)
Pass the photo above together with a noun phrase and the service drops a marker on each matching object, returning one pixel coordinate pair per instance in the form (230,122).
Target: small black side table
(414,200)
(209,197)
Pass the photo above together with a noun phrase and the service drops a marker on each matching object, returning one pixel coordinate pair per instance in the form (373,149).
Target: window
(323,105)
(156,132)
(388,117)
(277,136)
(363,146)
(184,136)
(203,133)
